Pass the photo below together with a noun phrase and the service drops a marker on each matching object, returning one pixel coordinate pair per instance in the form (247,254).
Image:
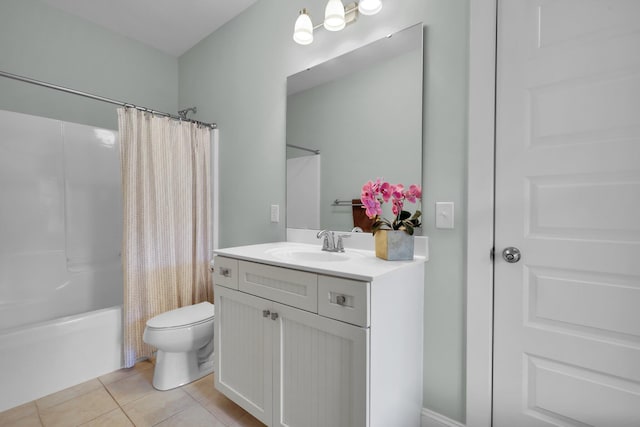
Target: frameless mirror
(352,119)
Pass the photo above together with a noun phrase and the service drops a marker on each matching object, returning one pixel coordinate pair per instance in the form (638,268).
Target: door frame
(480,211)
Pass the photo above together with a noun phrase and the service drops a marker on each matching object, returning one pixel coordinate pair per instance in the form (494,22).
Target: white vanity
(311,338)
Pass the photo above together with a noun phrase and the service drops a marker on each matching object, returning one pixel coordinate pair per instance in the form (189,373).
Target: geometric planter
(394,245)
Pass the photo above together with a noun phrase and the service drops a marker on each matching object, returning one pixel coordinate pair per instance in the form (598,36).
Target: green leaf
(408,228)
(404,215)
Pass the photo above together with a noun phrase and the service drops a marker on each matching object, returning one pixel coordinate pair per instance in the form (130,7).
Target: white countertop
(353,263)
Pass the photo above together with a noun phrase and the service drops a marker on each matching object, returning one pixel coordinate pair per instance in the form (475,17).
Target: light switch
(444,214)
(275,213)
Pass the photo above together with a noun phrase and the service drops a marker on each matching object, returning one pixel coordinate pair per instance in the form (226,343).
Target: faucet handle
(340,245)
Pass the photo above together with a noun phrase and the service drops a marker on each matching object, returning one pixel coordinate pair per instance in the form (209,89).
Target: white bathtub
(46,357)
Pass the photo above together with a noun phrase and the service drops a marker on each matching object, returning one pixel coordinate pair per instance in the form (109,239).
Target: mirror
(352,119)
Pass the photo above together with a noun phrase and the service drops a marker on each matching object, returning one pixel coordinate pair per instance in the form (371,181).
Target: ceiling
(172,26)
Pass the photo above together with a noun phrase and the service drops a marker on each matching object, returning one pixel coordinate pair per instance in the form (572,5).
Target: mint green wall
(237,78)
(46,44)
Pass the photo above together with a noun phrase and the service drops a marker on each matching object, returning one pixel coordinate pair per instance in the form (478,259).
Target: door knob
(511,254)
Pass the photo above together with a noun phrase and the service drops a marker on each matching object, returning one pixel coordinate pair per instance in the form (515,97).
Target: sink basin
(300,254)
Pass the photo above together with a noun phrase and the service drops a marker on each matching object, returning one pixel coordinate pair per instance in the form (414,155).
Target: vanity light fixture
(369,7)
(336,17)
(303,31)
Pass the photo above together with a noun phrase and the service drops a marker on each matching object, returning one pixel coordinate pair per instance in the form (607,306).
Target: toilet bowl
(184,339)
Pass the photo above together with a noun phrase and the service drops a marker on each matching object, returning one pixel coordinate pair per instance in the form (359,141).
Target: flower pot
(394,245)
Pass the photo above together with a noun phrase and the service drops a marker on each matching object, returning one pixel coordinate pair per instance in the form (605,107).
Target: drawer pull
(274,316)
(225,272)
(265,313)
(341,299)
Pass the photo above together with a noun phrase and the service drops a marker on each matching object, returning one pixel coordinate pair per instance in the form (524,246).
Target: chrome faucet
(329,244)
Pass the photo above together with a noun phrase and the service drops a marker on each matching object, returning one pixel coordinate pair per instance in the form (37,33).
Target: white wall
(237,78)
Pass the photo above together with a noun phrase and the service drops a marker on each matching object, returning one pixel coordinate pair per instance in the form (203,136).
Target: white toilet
(184,339)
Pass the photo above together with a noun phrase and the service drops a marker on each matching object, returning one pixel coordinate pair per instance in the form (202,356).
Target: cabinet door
(320,371)
(244,351)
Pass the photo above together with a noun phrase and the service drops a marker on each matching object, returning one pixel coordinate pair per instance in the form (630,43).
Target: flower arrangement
(378,192)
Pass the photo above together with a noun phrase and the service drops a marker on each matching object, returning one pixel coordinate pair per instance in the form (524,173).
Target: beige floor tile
(123,373)
(12,415)
(78,410)
(248,421)
(156,407)
(68,394)
(195,416)
(130,388)
(115,418)
(215,402)
(223,408)
(202,390)
(32,420)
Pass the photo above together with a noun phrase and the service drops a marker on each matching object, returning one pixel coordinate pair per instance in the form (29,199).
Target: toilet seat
(186,316)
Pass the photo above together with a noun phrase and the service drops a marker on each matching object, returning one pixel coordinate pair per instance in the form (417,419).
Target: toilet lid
(183,316)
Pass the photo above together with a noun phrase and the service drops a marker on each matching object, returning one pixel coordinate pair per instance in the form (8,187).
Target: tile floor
(127,398)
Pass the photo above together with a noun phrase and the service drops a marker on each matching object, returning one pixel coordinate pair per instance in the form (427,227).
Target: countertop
(352,264)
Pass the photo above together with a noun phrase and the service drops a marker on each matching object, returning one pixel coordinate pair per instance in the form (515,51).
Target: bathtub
(46,357)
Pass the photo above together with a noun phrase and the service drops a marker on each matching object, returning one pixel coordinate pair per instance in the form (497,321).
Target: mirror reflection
(353,119)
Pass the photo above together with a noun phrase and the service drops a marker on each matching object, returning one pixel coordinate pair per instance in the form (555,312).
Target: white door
(567,315)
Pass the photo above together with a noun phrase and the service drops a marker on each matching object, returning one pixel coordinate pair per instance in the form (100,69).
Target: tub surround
(302,331)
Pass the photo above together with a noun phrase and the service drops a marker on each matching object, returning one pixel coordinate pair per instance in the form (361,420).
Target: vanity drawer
(292,287)
(225,272)
(344,299)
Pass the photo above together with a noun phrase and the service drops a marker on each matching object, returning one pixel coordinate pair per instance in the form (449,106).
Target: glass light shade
(303,30)
(369,7)
(334,16)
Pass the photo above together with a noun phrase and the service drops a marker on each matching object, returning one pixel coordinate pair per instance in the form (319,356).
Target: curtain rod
(101,98)
(311,150)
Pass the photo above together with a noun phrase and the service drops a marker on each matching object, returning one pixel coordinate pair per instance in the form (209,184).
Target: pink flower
(385,191)
(374,193)
(397,191)
(396,206)
(372,206)
(414,192)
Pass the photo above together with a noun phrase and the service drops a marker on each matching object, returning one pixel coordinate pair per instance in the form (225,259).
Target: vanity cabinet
(299,348)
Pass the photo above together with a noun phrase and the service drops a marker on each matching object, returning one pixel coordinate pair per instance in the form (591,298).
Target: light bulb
(369,7)
(303,30)
(334,16)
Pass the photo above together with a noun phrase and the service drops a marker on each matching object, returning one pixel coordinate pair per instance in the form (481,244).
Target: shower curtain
(166,224)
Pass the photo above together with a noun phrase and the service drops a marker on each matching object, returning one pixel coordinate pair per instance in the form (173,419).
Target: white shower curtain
(166,224)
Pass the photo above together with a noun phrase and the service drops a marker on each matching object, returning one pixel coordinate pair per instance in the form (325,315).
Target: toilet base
(177,369)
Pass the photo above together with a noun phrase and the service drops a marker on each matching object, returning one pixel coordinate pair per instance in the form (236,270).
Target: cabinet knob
(265,313)
(226,272)
(274,316)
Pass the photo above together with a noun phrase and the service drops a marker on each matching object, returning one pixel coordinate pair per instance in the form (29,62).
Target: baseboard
(434,419)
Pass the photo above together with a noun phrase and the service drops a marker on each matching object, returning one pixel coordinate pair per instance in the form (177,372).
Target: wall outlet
(275,213)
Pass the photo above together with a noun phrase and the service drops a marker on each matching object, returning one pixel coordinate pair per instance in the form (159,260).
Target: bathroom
(237,78)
